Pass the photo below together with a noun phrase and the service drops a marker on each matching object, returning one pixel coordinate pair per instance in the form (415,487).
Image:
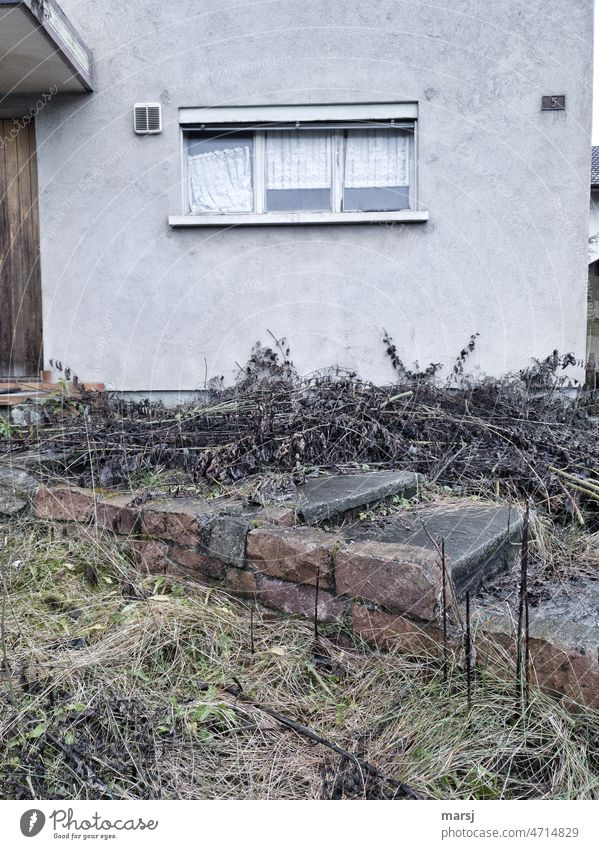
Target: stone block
(226,541)
(150,555)
(241,581)
(66,503)
(283,517)
(389,630)
(115,513)
(11,505)
(181,520)
(402,577)
(293,598)
(293,554)
(571,673)
(188,561)
(17,481)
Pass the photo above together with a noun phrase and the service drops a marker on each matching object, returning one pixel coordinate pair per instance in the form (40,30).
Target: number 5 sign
(553,102)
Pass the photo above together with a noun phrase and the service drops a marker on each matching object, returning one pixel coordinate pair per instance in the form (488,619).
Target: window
(264,168)
(220,172)
(376,172)
(299,170)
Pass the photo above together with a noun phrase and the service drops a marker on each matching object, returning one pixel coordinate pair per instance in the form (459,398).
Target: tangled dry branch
(523,433)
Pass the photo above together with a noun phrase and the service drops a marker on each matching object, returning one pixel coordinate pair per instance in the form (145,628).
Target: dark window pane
(372,200)
(290,200)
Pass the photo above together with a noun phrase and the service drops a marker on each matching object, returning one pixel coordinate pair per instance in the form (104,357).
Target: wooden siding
(20,282)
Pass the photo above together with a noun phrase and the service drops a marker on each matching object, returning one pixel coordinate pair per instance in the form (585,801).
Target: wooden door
(20,281)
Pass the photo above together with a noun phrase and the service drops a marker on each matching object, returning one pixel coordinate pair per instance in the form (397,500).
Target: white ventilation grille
(147,118)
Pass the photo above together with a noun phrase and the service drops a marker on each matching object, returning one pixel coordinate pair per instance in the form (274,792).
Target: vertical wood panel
(6,288)
(5,309)
(20,285)
(37,354)
(21,254)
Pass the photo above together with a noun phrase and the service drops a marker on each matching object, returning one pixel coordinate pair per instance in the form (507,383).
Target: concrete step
(329,497)
(481,540)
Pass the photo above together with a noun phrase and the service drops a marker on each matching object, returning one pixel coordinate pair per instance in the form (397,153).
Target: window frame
(335,118)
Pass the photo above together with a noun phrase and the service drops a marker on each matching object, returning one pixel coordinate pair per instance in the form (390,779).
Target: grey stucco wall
(129,301)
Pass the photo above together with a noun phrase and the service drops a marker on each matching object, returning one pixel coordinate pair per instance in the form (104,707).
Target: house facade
(209,175)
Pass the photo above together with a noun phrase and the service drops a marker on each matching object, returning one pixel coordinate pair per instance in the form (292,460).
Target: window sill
(405,216)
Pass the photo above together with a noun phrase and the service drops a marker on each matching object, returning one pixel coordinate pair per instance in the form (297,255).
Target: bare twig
(522,642)
(316,606)
(5,661)
(468,652)
(402,789)
(444,603)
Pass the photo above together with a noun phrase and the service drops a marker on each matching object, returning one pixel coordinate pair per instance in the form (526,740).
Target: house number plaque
(554,103)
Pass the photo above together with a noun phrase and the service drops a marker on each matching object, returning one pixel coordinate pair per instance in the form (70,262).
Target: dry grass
(124,711)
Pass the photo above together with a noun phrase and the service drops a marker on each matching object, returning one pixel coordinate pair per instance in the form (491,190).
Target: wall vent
(147,118)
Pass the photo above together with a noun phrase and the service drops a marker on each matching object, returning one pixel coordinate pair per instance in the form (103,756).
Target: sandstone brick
(114,513)
(389,630)
(293,598)
(283,517)
(562,671)
(293,554)
(573,673)
(192,562)
(240,581)
(403,577)
(150,555)
(67,503)
(178,519)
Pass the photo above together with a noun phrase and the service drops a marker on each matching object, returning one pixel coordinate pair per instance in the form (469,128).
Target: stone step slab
(481,540)
(329,497)
(563,639)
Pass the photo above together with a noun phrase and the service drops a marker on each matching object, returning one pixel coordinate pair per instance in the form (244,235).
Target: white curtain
(298,160)
(376,159)
(221,181)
